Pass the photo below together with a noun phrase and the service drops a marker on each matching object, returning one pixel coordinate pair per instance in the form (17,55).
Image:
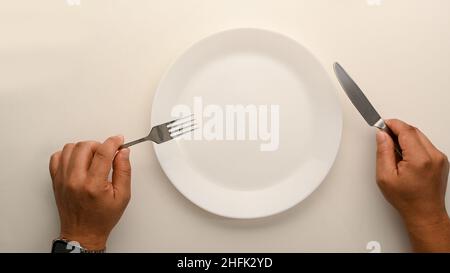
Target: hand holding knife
(363,105)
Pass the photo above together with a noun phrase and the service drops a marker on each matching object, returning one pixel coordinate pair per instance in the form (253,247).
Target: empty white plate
(234,178)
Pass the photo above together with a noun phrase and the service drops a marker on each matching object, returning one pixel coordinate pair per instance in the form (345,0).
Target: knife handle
(397,148)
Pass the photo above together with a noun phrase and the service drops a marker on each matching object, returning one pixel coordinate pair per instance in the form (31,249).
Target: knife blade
(363,105)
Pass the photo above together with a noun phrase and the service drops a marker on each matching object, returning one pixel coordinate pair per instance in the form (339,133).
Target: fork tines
(181,126)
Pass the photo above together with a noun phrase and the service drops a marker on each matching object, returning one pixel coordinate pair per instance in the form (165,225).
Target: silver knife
(363,105)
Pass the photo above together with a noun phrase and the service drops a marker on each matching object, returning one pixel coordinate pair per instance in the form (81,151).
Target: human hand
(415,185)
(89,205)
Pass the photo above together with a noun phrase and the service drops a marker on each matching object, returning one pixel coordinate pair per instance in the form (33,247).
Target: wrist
(429,219)
(87,241)
(430,236)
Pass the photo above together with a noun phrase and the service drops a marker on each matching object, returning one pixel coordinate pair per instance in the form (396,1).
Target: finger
(386,160)
(121,177)
(426,142)
(103,157)
(54,164)
(408,139)
(398,126)
(65,156)
(82,155)
(434,152)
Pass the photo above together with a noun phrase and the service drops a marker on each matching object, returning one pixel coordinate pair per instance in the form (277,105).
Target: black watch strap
(66,246)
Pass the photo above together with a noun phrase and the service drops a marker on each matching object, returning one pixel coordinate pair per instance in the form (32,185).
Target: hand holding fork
(167,131)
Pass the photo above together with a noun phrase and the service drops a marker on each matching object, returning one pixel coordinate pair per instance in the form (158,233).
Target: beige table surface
(88,71)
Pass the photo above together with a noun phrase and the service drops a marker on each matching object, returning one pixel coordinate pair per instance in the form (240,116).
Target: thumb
(386,161)
(121,177)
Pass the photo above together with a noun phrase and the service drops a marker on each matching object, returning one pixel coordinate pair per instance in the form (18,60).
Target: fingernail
(125,153)
(120,137)
(381,137)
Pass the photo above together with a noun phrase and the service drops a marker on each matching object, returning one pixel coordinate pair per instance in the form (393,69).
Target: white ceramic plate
(251,66)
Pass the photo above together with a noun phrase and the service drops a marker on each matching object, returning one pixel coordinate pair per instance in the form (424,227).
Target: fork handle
(126,145)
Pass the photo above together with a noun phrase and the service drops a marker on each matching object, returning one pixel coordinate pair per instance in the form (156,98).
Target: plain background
(70,73)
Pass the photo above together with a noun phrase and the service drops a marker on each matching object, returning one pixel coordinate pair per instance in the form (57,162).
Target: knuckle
(393,120)
(411,129)
(111,139)
(55,177)
(71,186)
(72,182)
(53,163)
(81,144)
(85,144)
(68,146)
(94,144)
(386,179)
(56,181)
(442,159)
(55,155)
(425,163)
(383,180)
(445,158)
(90,191)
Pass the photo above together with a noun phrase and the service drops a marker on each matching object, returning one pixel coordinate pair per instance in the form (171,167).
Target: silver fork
(167,131)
